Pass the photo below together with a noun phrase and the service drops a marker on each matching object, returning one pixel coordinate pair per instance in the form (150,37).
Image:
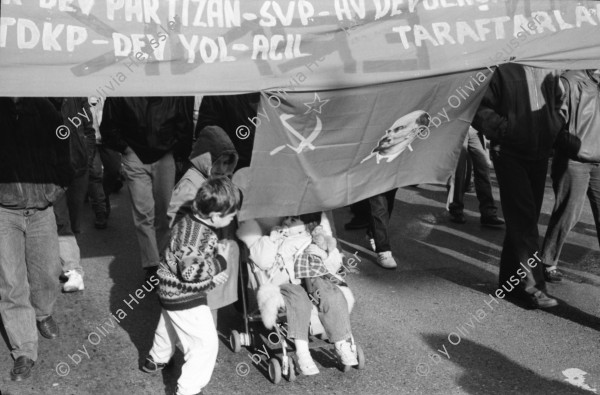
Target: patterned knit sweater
(189,264)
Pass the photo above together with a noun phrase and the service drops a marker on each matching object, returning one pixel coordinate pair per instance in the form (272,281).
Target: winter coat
(520,112)
(150,126)
(35,164)
(580,141)
(212,145)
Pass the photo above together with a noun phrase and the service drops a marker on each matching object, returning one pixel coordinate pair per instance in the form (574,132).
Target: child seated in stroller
(293,268)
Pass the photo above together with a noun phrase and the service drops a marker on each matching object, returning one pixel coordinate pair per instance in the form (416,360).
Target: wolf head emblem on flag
(400,136)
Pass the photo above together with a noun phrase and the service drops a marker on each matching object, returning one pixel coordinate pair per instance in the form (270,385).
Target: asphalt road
(429,327)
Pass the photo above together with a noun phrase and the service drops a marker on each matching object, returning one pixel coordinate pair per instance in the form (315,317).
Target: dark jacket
(34,162)
(580,141)
(77,116)
(236,115)
(150,126)
(520,112)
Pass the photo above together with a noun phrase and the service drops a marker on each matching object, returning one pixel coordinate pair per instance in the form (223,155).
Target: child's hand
(313,249)
(221,278)
(223,249)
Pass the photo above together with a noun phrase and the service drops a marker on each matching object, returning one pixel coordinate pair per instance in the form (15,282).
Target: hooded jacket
(35,163)
(212,145)
(580,141)
(520,112)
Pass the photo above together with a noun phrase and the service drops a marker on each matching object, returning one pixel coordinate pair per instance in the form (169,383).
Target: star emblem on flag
(316,105)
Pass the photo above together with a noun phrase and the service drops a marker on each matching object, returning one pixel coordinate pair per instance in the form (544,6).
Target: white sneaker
(75,282)
(344,351)
(306,364)
(386,260)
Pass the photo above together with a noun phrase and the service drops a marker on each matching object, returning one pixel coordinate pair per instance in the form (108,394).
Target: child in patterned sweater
(193,264)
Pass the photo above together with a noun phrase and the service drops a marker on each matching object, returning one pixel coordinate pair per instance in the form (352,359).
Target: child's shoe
(74,282)
(152,367)
(306,364)
(344,351)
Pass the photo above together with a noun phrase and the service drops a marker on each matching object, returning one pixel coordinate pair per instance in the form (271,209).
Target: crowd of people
(177,156)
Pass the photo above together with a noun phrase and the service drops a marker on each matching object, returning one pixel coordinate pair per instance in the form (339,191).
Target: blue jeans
(571,181)
(333,309)
(29,270)
(483,187)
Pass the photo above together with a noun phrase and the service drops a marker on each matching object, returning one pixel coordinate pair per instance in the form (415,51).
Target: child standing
(193,264)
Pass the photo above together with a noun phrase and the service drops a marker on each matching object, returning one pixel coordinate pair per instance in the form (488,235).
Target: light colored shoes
(371,242)
(306,364)
(386,260)
(74,282)
(346,354)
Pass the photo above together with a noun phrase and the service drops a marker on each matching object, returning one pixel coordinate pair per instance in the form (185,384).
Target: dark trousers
(381,207)
(111,166)
(571,181)
(522,185)
(483,187)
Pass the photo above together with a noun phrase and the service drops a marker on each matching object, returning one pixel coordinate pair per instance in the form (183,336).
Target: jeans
(381,207)
(483,187)
(95,187)
(298,309)
(70,257)
(522,184)
(29,270)
(571,181)
(150,187)
(333,309)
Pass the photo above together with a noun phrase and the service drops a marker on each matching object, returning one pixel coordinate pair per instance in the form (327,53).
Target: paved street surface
(429,327)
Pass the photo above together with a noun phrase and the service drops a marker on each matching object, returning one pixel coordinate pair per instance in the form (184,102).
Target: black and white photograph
(299,197)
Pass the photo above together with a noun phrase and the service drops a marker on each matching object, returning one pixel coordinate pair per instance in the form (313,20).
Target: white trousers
(194,332)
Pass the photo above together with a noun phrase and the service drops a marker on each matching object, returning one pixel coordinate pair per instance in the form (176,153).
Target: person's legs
(333,309)
(519,192)
(139,183)
(18,316)
(456,190)
(381,209)
(570,181)
(298,310)
(360,210)
(483,186)
(70,257)
(43,261)
(593,194)
(163,346)
(111,163)
(200,345)
(75,197)
(95,187)
(163,181)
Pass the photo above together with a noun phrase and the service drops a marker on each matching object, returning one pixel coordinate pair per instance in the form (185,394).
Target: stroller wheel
(360,355)
(235,341)
(291,372)
(274,370)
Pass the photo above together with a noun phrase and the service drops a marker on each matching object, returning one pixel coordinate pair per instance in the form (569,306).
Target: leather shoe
(48,328)
(553,275)
(491,221)
(21,369)
(356,223)
(458,218)
(540,300)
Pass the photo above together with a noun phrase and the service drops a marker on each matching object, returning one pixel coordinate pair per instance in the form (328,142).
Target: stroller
(275,345)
